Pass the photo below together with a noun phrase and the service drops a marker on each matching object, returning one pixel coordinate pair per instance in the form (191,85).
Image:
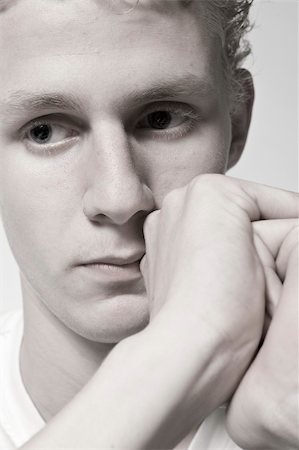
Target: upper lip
(115,260)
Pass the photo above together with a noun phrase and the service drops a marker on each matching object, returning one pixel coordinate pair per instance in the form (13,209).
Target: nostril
(99,218)
(117,201)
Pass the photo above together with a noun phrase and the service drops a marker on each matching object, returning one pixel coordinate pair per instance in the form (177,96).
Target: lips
(111,269)
(114,260)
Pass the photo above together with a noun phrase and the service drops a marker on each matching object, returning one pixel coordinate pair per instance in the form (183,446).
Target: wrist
(165,382)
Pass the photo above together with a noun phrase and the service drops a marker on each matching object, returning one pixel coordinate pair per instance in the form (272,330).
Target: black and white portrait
(149,224)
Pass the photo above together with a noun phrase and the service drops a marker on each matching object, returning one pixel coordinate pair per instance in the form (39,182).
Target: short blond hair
(228,21)
(231,24)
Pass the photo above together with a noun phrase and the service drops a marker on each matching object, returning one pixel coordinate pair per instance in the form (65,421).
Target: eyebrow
(187,86)
(25,101)
(21,101)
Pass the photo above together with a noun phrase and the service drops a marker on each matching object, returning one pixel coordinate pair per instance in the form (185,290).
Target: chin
(107,321)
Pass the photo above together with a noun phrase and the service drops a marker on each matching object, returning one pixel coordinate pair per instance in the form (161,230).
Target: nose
(114,192)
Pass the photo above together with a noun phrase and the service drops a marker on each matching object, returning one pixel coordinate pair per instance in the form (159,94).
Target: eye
(41,133)
(168,120)
(161,120)
(50,134)
(45,133)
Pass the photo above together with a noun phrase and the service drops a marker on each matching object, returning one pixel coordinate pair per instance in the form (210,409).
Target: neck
(55,362)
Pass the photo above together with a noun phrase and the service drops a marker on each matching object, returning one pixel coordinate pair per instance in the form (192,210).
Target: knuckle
(292,239)
(294,233)
(144,265)
(150,222)
(207,182)
(291,242)
(171,198)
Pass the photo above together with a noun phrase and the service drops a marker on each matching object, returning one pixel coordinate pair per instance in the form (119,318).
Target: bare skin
(266,401)
(263,412)
(86,193)
(208,335)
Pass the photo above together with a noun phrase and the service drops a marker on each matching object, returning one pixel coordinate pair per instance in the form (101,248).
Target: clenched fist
(206,282)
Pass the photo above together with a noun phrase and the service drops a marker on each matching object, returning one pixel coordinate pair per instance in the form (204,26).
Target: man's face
(102,114)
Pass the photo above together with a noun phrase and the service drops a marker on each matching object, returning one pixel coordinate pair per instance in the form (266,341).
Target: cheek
(169,165)
(36,198)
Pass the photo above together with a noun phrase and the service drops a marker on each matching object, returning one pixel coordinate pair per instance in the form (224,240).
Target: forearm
(135,400)
(264,410)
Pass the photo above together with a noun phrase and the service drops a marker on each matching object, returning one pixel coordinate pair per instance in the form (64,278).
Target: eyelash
(191,117)
(46,148)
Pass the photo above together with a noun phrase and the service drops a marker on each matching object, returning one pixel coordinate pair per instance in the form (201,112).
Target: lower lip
(114,271)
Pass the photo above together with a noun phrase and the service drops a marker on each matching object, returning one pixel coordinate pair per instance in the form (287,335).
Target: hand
(205,280)
(264,410)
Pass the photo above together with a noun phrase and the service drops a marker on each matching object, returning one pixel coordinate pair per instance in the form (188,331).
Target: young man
(145,271)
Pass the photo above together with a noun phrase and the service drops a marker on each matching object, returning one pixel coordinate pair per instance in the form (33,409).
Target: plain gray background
(271,154)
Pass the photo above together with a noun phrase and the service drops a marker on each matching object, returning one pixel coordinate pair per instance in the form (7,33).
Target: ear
(241,118)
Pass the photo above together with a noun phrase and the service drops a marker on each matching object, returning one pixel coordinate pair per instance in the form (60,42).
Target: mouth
(115,261)
(113,268)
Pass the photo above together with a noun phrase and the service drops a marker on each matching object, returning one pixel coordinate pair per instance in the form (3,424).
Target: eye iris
(159,119)
(41,133)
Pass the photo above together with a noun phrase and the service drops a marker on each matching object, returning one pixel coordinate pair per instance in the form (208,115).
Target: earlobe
(241,118)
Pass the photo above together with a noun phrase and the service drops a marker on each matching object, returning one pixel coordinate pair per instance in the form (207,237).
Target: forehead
(61,43)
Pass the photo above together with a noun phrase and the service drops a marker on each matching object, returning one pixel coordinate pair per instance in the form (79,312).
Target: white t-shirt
(20,420)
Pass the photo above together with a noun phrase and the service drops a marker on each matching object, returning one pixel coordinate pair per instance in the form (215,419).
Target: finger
(273,290)
(150,227)
(272,281)
(274,232)
(280,348)
(144,270)
(147,265)
(287,258)
(267,323)
(269,202)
